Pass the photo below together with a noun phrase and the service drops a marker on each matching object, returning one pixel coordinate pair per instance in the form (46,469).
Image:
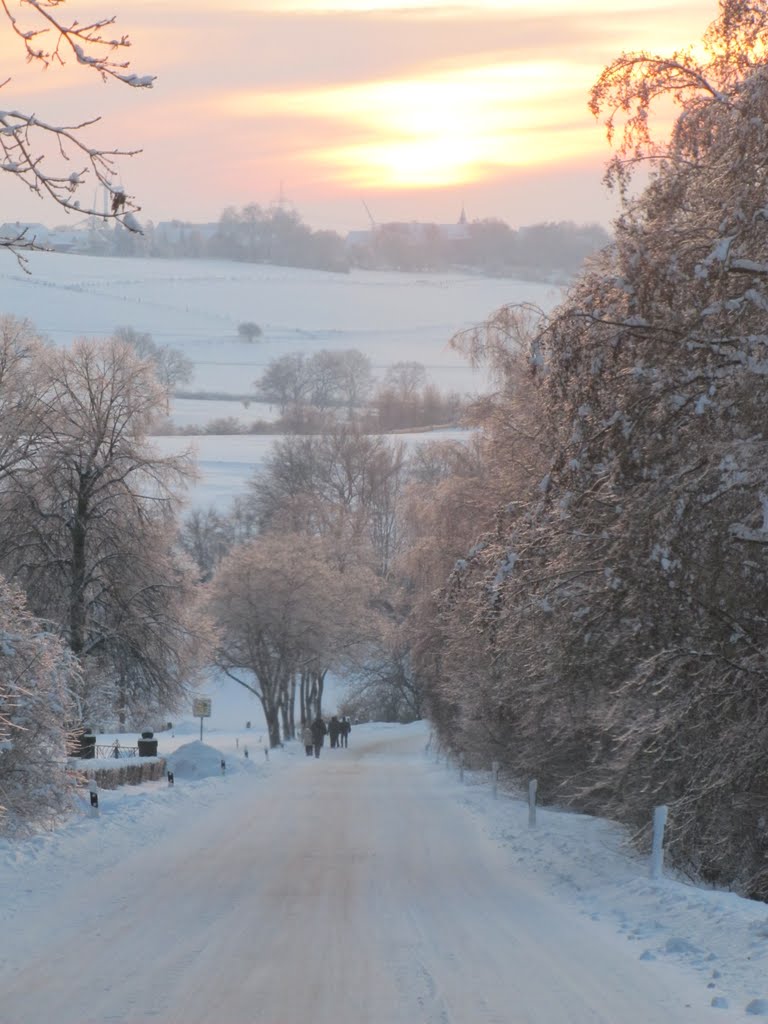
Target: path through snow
(353,889)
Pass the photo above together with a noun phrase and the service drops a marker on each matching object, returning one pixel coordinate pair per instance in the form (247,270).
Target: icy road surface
(353,889)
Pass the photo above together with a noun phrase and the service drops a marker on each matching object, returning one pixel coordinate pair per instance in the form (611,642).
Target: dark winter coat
(318,731)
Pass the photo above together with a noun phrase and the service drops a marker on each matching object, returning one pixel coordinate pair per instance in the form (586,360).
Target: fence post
(657,847)
(495,774)
(532,785)
(461,766)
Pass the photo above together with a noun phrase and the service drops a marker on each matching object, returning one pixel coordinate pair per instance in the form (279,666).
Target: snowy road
(350,890)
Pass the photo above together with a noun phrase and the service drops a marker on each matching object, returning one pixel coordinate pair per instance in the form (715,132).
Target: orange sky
(415,108)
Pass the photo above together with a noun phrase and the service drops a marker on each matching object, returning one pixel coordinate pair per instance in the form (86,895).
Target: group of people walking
(337,731)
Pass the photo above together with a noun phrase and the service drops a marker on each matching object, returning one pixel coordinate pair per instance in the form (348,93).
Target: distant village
(276,234)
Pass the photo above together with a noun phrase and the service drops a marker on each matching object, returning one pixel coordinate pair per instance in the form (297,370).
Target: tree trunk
(272,717)
(77,580)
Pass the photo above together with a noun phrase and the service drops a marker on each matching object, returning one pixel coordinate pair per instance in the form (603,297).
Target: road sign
(201,707)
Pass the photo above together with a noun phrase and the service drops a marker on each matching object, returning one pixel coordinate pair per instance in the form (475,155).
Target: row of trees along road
(88,525)
(608,632)
(97,610)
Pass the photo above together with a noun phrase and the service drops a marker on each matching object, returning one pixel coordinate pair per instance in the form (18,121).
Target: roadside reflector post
(532,786)
(657,846)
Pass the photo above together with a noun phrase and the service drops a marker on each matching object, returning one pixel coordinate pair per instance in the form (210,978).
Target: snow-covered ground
(372,886)
(196,306)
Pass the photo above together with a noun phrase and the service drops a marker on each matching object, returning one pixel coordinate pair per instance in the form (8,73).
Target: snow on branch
(87,43)
(749,266)
(39,153)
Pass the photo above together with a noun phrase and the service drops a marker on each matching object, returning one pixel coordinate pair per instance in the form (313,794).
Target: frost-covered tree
(618,638)
(172,367)
(249,331)
(56,160)
(342,484)
(37,673)
(87,522)
(21,381)
(325,380)
(285,381)
(287,611)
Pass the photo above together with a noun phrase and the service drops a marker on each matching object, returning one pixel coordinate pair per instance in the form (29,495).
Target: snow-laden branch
(40,153)
(86,43)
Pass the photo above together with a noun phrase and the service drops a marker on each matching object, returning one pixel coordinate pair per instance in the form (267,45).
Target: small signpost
(201,708)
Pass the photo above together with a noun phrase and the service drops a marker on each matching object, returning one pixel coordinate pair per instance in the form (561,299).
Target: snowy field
(373,886)
(196,306)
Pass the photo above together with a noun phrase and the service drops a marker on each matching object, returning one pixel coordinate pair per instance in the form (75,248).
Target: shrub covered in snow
(36,670)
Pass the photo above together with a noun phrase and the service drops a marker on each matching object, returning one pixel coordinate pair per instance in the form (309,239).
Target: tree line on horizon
(553,250)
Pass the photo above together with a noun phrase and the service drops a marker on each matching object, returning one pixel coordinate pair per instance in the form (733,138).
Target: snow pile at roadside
(197,760)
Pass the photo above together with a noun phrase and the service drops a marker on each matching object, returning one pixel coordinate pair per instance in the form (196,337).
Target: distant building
(410,245)
(415,232)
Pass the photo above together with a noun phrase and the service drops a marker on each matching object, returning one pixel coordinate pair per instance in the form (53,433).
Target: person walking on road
(308,740)
(334,728)
(346,728)
(318,735)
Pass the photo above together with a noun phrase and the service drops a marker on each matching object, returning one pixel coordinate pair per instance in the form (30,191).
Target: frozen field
(196,306)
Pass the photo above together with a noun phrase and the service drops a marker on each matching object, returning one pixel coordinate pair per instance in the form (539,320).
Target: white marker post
(657,847)
(94,791)
(532,786)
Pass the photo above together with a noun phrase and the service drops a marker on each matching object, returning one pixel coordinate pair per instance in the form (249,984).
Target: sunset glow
(438,130)
(421,103)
